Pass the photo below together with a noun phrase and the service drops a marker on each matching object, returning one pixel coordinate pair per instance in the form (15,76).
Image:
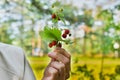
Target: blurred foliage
(84,69)
(87,19)
(36,10)
(18,27)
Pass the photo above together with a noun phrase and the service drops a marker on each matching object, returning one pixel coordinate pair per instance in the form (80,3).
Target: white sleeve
(13,64)
(28,73)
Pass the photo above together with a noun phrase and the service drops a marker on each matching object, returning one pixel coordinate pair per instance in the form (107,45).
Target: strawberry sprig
(52,34)
(57,15)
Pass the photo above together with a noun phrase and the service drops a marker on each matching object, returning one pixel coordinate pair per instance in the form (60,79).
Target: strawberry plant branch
(53,34)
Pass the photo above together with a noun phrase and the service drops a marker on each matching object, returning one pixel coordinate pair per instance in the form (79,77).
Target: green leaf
(63,20)
(55,20)
(67,41)
(60,14)
(51,34)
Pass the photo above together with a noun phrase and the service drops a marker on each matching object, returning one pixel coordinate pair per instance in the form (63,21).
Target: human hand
(59,67)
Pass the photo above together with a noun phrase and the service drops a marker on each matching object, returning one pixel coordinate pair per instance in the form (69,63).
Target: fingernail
(51,53)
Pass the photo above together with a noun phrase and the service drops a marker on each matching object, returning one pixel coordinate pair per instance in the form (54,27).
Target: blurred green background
(95,28)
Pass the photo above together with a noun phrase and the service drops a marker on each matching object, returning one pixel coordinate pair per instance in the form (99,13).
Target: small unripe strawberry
(54,43)
(66,31)
(58,18)
(50,45)
(64,35)
(53,16)
(70,34)
(53,6)
(61,10)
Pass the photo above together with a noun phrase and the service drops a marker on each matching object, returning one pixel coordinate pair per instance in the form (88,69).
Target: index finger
(63,52)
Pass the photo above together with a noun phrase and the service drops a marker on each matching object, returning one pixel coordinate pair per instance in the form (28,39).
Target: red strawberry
(53,16)
(64,35)
(50,45)
(66,31)
(54,43)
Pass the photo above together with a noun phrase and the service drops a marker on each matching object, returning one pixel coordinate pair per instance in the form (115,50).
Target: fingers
(61,69)
(50,74)
(55,71)
(61,55)
(62,51)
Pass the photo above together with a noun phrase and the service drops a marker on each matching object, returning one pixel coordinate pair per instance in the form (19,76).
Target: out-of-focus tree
(5,35)
(107,33)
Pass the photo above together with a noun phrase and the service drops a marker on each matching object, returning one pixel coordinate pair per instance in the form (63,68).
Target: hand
(59,67)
